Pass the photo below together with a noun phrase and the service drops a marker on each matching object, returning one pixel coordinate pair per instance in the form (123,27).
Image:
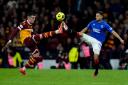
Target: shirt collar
(99,21)
(29,22)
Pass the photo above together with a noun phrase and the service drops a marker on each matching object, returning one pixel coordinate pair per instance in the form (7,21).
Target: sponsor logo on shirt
(96,30)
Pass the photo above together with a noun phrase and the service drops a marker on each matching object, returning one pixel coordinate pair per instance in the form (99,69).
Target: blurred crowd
(78,14)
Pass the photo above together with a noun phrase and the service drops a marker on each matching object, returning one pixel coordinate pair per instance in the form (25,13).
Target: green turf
(63,77)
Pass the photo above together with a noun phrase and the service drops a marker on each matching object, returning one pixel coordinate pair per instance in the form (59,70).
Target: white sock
(57,31)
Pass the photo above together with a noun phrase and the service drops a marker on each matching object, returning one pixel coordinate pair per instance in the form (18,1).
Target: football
(60,16)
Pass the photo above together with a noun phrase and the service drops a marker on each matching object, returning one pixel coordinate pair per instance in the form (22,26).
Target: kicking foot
(22,71)
(64,26)
(60,28)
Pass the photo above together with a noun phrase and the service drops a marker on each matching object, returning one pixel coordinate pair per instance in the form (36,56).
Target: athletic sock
(33,61)
(96,66)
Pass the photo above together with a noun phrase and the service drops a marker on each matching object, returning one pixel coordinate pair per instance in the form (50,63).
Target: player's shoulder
(104,21)
(23,25)
(93,21)
(24,22)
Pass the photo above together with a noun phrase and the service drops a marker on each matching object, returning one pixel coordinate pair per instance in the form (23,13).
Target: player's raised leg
(70,31)
(31,43)
(38,37)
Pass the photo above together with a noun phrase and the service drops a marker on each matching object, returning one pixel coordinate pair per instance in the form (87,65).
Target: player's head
(99,15)
(31,17)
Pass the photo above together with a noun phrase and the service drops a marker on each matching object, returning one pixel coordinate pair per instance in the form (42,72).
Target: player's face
(99,17)
(31,19)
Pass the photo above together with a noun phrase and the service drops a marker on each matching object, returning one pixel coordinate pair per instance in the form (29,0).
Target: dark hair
(100,12)
(31,14)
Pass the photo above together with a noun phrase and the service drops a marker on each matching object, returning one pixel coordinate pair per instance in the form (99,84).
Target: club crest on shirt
(102,26)
(93,24)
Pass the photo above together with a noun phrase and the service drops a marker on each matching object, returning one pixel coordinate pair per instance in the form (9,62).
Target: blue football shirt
(98,29)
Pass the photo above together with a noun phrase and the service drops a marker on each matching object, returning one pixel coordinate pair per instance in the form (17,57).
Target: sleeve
(15,31)
(89,25)
(108,27)
(21,26)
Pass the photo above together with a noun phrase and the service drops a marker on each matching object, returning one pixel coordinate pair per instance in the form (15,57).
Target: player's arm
(117,36)
(84,30)
(114,33)
(15,31)
(13,34)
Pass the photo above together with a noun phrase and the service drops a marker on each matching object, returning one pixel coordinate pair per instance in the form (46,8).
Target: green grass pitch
(63,77)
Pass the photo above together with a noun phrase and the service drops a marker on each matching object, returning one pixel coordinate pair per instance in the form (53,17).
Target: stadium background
(78,14)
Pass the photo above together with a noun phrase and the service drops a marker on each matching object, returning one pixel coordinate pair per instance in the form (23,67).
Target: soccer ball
(60,16)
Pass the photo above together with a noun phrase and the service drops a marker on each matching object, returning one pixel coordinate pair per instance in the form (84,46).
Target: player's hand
(6,46)
(79,33)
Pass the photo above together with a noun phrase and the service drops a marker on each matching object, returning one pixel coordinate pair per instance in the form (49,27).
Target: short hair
(31,14)
(100,12)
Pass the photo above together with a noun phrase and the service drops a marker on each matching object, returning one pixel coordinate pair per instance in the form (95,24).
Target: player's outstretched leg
(31,43)
(37,37)
(96,64)
(34,59)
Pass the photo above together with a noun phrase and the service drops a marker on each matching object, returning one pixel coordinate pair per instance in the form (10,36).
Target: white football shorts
(96,45)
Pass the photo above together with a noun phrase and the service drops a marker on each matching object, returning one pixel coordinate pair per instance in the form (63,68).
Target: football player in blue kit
(97,35)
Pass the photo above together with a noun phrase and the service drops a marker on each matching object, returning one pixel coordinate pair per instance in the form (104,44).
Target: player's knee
(36,53)
(96,52)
